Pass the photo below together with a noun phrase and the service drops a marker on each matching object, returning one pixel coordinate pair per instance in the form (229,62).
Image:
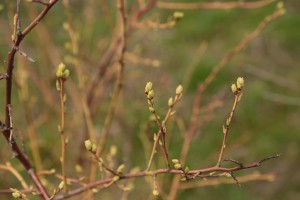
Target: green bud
(280,5)
(78,168)
(116,178)
(150,94)
(177,166)
(17,195)
(170,102)
(160,142)
(148,87)
(240,97)
(61,185)
(179,89)
(155,192)
(64,98)
(186,169)
(151,109)
(66,74)
(66,26)
(60,70)
(113,150)
(228,121)
(164,129)
(57,84)
(95,190)
(94,148)
(175,161)
(178,15)
(121,168)
(172,113)
(88,145)
(240,82)
(224,129)
(233,88)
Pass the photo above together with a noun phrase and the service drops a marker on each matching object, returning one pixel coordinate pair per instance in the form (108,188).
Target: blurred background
(82,33)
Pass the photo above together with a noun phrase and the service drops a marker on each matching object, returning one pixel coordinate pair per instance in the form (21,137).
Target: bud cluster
(235,88)
(62,72)
(90,146)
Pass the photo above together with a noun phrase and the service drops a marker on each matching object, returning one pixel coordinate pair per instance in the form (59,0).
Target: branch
(18,36)
(212,5)
(207,171)
(242,179)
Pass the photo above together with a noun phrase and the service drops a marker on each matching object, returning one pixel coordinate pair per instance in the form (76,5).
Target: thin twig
(62,132)
(212,5)
(12,170)
(235,179)
(40,2)
(226,129)
(242,179)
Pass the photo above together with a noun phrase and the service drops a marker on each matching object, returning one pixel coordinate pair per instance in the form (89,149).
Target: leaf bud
(148,87)
(61,185)
(151,109)
(240,82)
(94,148)
(233,88)
(178,15)
(170,102)
(179,89)
(88,145)
(177,166)
(150,94)
(116,178)
(155,192)
(121,168)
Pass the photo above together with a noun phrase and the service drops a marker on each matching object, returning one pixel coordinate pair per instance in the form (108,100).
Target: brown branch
(40,2)
(11,169)
(212,5)
(163,171)
(142,11)
(24,191)
(17,39)
(226,127)
(242,179)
